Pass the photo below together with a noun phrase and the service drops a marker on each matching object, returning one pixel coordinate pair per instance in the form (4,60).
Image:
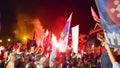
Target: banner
(109,12)
(75,37)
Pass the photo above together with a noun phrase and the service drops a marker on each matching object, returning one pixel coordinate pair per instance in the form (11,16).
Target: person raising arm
(114,62)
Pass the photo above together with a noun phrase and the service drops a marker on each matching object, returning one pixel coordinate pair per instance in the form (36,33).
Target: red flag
(47,41)
(95,17)
(82,43)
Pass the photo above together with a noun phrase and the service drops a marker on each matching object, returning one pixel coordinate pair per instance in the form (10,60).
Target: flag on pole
(63,41)
(109,12)
(94,15)
(75,34)
(65,33)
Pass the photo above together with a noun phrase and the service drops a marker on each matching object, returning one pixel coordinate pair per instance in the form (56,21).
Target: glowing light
(22,32)
(1,41)
(25,38)
(8,39)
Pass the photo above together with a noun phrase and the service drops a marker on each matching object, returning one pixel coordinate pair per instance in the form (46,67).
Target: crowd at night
(60,34)
(91,54)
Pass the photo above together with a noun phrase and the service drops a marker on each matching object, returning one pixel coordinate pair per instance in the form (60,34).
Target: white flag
(75,35)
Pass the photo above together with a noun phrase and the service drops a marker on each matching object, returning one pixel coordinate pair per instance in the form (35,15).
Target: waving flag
(47,40)
(94,15)
(65,32)
(109,11)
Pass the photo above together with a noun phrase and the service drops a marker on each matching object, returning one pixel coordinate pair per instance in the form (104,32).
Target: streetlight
(8,39)
(1,41)
(24,38)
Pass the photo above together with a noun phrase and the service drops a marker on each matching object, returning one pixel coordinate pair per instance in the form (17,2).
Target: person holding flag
(109,11)
(115,63)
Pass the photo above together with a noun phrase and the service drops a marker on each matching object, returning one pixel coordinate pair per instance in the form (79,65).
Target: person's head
(30,65)
(37,58)
(68,58)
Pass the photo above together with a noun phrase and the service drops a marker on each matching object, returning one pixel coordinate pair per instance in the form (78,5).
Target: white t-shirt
(116,65)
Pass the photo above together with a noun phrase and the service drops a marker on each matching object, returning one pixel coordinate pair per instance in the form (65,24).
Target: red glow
(60,22)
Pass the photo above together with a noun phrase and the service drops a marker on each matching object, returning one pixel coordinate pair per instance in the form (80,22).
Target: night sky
(49,12)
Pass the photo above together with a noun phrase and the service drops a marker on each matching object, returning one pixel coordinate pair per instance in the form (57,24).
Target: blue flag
(109,12)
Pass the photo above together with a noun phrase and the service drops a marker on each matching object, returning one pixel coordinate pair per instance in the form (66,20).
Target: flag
(47,40)
(65,33)
(75,34)
(82,42)
(94,15)
(109,13)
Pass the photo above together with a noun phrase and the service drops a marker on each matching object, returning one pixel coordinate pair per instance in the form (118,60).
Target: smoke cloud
(26,26)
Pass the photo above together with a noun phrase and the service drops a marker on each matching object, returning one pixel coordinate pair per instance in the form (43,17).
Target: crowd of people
(19,55)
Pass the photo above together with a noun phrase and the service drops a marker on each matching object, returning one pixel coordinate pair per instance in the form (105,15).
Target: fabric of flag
(94,15)
(75,35)
(65,32)
(47,41)
(109,11)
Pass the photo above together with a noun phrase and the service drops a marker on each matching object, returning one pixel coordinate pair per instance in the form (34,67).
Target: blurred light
(1,41)
(8,39)
(24,38)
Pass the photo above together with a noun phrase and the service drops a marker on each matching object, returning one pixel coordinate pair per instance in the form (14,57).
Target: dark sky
(48,11)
